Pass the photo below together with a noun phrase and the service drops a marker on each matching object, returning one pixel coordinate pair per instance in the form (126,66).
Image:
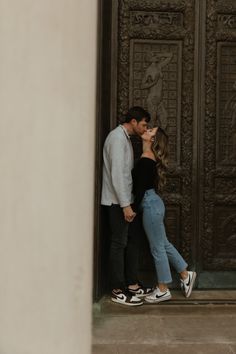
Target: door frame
(105,110)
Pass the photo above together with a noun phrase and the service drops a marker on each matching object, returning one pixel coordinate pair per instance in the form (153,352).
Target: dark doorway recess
(177,59)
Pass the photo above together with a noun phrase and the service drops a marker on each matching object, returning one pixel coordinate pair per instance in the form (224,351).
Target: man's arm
(121,175)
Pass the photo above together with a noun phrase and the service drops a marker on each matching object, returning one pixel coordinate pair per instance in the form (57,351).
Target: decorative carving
(158,5)
(154,84)
(226,21)
(141,18)
(174,185)
(173,216)
(225,233)
(227,103)
(226,6)
(225,184)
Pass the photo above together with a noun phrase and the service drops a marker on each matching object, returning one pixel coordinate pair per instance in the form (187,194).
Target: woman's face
(149,134)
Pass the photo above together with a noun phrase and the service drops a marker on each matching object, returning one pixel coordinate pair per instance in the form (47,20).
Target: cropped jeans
(162,250)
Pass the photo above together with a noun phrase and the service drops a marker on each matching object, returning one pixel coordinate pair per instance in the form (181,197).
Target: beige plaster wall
(47,128)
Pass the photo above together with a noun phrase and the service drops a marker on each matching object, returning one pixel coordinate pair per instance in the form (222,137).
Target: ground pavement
(205,323)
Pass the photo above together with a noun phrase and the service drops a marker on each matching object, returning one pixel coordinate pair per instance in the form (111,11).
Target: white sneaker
(187,284)
(141,292)
(158,296)
(125,298)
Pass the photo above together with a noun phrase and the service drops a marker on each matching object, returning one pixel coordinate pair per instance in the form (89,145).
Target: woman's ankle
(184,274)
(133,286)
(162,287)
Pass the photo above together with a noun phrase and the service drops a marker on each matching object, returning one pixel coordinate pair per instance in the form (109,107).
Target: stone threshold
(215,300)
(204,297)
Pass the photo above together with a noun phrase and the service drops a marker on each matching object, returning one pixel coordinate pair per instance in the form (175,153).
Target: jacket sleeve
(121,170)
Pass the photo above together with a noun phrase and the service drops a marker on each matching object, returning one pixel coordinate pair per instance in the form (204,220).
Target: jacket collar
(125,131)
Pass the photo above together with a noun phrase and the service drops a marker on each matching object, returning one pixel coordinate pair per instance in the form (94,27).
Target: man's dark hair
(137,113)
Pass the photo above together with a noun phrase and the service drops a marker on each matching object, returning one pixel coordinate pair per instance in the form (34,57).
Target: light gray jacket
(118,162)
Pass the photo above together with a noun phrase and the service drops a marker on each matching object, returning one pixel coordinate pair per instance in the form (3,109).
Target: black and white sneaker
(158,296)
(125,298)
(141,291)
(187,284)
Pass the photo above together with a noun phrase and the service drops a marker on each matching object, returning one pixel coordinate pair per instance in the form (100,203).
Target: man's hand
(129,214)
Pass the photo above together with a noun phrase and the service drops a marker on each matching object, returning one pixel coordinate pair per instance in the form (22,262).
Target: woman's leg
(153,213)
(175,259)
(162,250)
(187,277)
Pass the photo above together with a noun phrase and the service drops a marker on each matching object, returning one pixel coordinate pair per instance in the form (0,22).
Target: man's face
(139,127)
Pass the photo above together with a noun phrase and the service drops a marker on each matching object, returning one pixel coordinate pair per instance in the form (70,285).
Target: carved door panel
(217,233)
(156,71)
(177,59)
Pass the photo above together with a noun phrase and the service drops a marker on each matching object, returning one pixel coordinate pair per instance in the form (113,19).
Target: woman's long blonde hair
(160,150)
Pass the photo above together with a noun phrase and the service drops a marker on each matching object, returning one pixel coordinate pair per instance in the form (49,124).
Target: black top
(144,176)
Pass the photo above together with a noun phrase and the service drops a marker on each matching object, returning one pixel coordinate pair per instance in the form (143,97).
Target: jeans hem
(179,271)
(165,281)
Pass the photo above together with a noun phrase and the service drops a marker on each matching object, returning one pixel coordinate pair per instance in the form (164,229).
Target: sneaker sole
(127,303)
(158,300)
(191,285)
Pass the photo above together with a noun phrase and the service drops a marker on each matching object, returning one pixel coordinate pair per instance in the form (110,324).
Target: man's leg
(135,235)
(118,242)
(119,235)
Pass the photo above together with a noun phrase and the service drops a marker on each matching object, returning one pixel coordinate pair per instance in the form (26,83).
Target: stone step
(224,300)
(203,324)
(167,348)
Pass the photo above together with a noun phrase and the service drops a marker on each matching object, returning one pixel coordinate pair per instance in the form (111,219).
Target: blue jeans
(162,250)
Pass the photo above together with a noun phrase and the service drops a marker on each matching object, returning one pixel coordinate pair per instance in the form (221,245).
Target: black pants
(124,248)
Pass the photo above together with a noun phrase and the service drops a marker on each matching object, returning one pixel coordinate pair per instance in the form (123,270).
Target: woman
(148,179)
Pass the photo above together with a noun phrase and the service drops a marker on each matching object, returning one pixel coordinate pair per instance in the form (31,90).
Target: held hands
(129,214)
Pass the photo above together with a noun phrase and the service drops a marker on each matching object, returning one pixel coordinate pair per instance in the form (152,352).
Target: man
(117,197)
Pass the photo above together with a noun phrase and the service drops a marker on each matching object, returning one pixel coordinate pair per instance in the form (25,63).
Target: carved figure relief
(153,81)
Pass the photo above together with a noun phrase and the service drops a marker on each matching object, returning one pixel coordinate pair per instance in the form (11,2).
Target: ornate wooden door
(177,58)
(156,69)
(217,148)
